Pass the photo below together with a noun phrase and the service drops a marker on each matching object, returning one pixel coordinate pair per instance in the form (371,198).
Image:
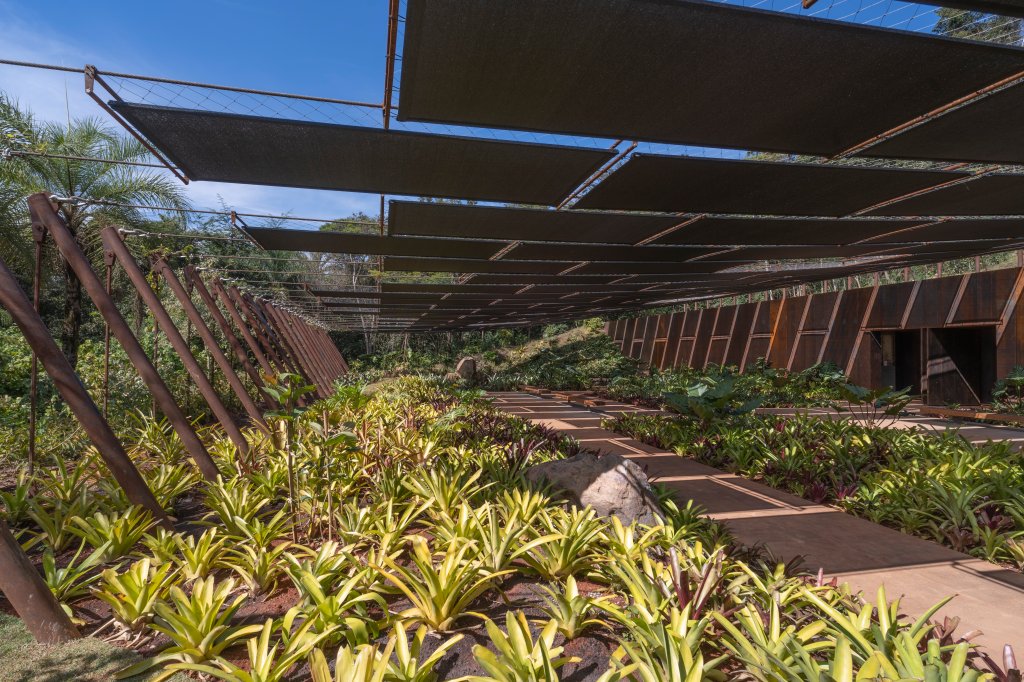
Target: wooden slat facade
(949,337)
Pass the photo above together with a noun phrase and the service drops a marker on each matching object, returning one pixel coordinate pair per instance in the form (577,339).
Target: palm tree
(100,181)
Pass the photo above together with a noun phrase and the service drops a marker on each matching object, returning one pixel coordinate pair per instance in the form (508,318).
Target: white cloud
(52,95)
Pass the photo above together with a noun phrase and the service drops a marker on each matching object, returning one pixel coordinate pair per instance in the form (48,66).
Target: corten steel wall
(842,327)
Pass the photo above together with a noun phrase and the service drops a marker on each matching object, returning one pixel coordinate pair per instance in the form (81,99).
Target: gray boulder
(466,369)
(611,484)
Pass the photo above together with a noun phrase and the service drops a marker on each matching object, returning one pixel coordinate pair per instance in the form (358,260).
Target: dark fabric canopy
(275,239)
(484,222)
(988,195)
(967,232)
(413,264)
(677,183)
(266,151)
(700,73)
(781,231)
(986,130)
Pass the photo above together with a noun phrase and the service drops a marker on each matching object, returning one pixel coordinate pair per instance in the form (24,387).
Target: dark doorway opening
(901,359)
(961,365)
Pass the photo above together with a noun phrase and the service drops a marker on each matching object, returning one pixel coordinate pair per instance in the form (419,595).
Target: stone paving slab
(862,553)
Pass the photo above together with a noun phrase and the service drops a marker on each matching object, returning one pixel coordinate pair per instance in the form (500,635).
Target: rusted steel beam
(112,242)
(206,334)
(287,341)
(320,352)
(70,388)
(243,329)
(283,345)
(302,345)
(314,352)
(44,214)
(259,331)
(332,351)
(291,344)
(29,595)
(38,236)
(225,327)
(337,361)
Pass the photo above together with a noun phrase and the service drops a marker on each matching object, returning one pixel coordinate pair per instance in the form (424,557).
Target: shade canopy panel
(680,71)
(324,241)
(653,182)
(487,222)
(986,130)
(989,195)
(269,151)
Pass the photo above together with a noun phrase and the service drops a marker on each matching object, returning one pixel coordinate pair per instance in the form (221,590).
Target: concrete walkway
(859,552)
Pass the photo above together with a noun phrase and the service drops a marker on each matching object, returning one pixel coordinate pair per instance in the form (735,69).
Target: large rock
(611,484)
(466,369)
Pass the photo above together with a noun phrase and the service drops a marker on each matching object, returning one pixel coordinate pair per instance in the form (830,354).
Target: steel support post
(337,363)
(243,329)
(259,331)
(285,343)
(218,317)
(305,348)
(38,236)
(208,338)
(70,388)
(297,346)
(281,344)
(319,352)
(44,214)
(339,359)
(29,595)
(112,241)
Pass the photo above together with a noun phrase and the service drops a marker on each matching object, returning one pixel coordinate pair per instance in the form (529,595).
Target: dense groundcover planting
(938,486)
(391,537)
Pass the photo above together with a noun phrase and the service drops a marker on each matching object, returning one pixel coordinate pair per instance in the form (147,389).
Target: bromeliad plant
(440,592)
(199,626)
(113,535)
(572,549)
(133,595)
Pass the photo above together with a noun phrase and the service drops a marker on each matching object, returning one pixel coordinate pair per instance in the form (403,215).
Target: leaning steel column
(42,212)
(339,362)
(321,353)
(280,338)
(258,330)
(316,352)
(243,329)
(222,323)
(299,345)
(29,595)
(284,340)
(281,344)
(74,394)
(112,241)
(330,353)
(208,338)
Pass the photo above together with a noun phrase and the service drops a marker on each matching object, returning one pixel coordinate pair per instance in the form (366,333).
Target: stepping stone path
(859,552)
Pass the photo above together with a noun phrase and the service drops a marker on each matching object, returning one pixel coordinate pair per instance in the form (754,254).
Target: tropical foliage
(381,561)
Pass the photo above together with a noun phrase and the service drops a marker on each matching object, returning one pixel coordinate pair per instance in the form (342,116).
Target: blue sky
(329,49)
